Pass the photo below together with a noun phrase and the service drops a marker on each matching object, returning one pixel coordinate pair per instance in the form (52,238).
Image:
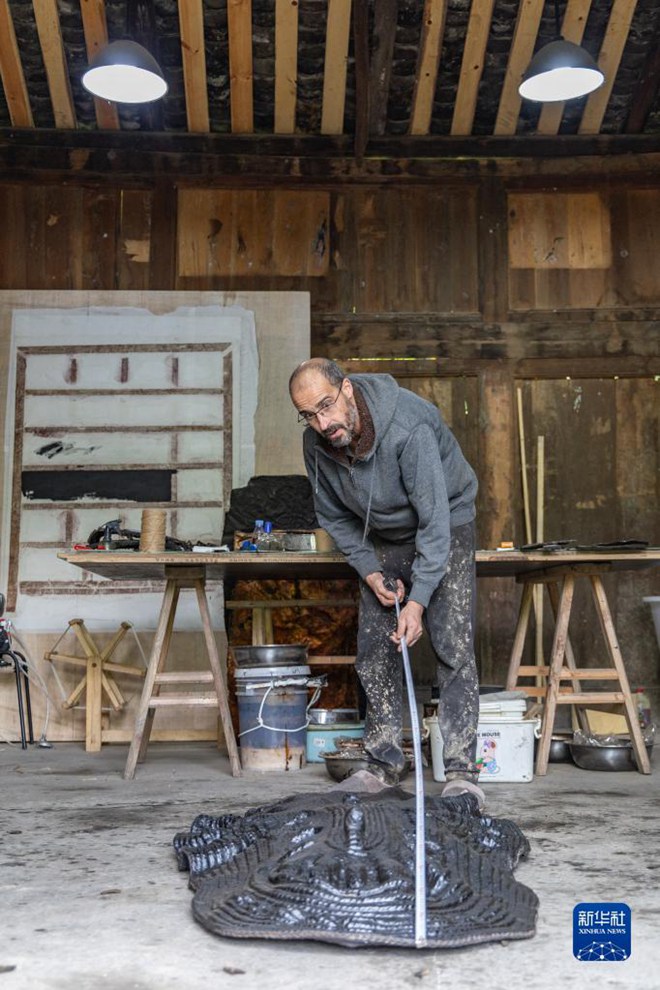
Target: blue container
(321,738)
(278,744)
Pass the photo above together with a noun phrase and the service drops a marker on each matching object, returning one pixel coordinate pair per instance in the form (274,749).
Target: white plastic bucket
(505,749)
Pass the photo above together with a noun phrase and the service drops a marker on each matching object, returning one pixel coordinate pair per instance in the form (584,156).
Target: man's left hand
(410,624)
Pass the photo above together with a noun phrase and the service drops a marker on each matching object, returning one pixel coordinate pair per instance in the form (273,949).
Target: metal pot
(270,655)
(559,749)
(331,716)
(605,757)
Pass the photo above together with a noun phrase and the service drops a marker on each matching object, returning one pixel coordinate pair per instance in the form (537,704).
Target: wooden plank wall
(419,284)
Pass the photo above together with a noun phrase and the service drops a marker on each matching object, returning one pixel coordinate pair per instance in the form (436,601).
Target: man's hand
(410,624)
(385,595)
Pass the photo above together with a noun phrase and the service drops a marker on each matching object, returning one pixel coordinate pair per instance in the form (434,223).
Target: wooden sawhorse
(176,579)
(98,677)
(560,582)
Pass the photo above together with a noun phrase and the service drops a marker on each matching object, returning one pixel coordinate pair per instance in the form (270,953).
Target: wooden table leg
(606,624)
(218,680)
(164,653)
(553,592)
(519,639)
(160,643)
(556,664)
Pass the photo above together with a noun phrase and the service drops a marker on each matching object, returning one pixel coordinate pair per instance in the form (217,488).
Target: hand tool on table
(420,832)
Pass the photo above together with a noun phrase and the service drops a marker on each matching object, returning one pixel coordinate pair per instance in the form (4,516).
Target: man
(394,491)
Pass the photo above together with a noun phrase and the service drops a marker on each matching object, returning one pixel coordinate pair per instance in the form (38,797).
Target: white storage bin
(505,743)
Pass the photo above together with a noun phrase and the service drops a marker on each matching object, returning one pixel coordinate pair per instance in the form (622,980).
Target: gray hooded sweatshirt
(412,486)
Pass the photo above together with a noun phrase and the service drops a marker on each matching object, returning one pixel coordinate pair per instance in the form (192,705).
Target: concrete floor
(90,897)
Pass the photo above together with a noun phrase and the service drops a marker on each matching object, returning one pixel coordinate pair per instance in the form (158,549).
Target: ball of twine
(152,532)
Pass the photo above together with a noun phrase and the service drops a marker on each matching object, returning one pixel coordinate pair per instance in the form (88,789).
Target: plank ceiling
(364,70)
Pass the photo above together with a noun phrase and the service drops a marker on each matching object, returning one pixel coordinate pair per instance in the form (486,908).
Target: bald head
(329,370)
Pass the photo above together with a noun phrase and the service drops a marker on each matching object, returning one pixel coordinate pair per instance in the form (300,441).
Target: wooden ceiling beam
(361,55)
(52,49)
(522,49)
(428,65)
(572,29)
(647,88)
(335,66)
(609,60)
(286,65)
(11,72)
(472,66)
(191,26)
(239,24)
(383,38)
(96,37)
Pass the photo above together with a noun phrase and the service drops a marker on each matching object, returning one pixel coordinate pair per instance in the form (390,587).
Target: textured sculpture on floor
(339,867)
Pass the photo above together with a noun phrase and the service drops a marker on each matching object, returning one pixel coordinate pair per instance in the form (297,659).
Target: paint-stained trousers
(449,622)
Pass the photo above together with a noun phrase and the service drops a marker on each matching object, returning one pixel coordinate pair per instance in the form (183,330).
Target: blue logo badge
(601,932)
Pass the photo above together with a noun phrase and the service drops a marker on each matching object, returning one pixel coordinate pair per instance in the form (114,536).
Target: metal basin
(270,655)
(559,749)
(605,757)
(331,716)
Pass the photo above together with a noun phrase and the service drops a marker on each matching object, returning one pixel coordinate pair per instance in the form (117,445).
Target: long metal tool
(420,831)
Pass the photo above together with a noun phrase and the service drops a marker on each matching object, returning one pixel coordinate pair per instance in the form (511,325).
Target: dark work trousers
(449,622)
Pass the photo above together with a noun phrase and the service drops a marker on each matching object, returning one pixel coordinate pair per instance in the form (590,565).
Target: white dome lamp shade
(125,72)
(560,71)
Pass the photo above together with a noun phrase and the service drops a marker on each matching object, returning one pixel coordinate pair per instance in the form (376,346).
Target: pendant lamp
(560,71)
(125,72)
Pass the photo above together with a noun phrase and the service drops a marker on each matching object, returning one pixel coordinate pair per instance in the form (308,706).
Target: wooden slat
(191,25)
(361,62)
(472,66)
(186,700)
(185,677)
(96,38)
(522,49)
(383,36)
(11,72)
(334,71)
(609,60)
(239,24)
(595,698)
(647,88)
(572,29)
(428,64)
(286,65)
(52,49)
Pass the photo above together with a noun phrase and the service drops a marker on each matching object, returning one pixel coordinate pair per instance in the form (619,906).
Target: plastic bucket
(273,725)
(505,749)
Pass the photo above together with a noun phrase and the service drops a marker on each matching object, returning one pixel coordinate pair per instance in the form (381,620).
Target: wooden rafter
(57,73)
(472,66)
(522,48)
(334,72)
(428,65)
(286,65)
(647,88)
(191,25)
(361,55)
(609,60)
(384,33)
(572,29)
(239,23)
(96,38)
(11,72)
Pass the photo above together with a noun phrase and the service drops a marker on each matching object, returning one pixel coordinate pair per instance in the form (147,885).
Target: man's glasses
(307,417)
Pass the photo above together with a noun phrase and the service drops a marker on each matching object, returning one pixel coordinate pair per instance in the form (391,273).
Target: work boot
(460,786)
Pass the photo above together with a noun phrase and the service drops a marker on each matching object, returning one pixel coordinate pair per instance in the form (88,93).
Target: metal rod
(420,836)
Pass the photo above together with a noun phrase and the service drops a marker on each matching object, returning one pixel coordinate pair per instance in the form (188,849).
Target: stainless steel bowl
(343,765)
(605,757)
(270,655)
(332,716)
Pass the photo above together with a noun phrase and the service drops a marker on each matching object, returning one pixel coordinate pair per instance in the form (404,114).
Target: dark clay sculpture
(339,867)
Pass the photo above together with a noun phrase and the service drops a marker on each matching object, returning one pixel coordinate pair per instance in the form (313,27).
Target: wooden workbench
(558,571)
